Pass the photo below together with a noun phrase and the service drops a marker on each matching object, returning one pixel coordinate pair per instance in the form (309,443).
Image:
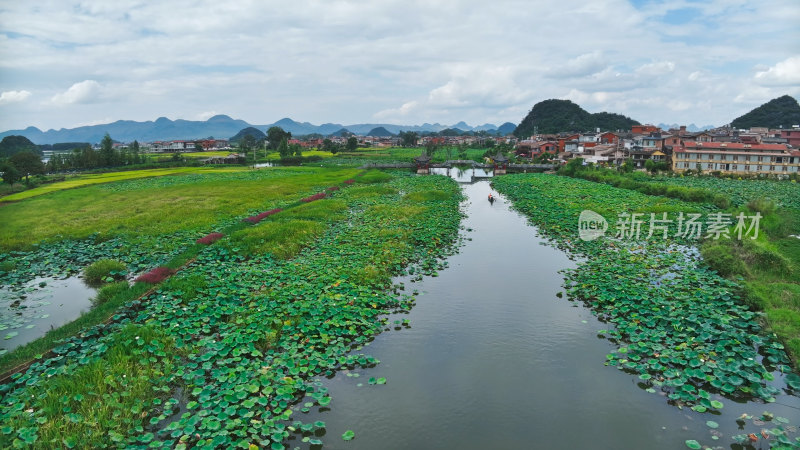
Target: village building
(768,159)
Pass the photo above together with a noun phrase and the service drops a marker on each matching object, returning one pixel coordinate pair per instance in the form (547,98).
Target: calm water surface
(494,359)
(30,311)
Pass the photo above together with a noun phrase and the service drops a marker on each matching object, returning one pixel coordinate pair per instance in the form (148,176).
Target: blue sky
(65,64)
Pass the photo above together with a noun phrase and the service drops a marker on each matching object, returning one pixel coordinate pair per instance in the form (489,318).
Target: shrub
(696,195)
(110,291)
(762,256)
(761,205)
(155,276)
(351,181)
(104,270)
(721,201)
(723,258)
(332,188)
(210,238)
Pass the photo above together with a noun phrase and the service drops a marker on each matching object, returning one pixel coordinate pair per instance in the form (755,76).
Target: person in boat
(491,198)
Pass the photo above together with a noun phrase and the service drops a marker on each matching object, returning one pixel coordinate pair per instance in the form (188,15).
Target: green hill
(252,131)
(779,112)
(15,144)
(554,116)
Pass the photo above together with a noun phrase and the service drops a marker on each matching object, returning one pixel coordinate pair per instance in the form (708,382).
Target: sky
(65,64)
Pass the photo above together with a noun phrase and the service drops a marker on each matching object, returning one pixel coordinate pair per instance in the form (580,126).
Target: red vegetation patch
(156,275)
(259,217)
(210,238)
(332,188)
(313,198)
(351,181)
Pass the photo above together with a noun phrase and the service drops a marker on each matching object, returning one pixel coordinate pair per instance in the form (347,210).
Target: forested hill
(553,116)
(776,113)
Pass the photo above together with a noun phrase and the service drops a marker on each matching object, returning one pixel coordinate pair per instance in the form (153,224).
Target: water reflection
(30,311)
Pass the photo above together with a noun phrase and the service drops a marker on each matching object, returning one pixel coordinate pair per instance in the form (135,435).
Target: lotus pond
(271,336)
(677,326)
(233,340)
(783,193)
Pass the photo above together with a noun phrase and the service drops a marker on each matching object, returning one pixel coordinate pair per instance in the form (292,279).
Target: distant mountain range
(692,128)
(224,127)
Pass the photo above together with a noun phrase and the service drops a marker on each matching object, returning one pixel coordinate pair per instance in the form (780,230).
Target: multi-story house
(769,159)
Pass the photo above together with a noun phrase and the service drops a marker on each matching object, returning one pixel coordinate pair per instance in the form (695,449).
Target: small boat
(491,198)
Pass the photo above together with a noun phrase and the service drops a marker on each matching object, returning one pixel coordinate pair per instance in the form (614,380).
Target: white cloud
(87,91)
(583,65)
(350,61)
(398,113)
(656,68)
(784,73)
(13,96)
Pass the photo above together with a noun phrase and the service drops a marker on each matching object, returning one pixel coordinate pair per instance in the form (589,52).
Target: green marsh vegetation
(676,322)
(243,334)
(104,271)
(140,241)
(767,268)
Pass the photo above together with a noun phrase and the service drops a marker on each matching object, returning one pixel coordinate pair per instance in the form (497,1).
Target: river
(493,358)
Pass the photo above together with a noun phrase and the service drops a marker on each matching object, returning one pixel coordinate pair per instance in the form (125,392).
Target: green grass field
(154,206)
(110,177)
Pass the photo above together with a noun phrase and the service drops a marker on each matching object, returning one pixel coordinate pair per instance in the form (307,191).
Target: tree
(10,174)
(329,146)
(198,147)
(247,142)
(627,166)
(135,152)
(650,165)
(431,147)
(573,166)
(28,163)
(275,136)
(283,148)
(296,150)
(352,143)
(107,150)
(409,138)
